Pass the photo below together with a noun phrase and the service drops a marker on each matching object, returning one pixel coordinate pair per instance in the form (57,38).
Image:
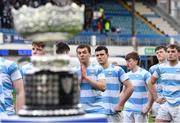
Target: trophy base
(26,112)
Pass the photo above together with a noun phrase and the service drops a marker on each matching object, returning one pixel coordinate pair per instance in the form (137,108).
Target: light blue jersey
(158,85)
(170,81)
(139,97)
(115,75)
(2,102)
(9,72)
(91,98)
(26,68)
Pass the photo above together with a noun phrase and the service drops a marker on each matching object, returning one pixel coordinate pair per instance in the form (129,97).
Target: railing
(123,40)
(112,39)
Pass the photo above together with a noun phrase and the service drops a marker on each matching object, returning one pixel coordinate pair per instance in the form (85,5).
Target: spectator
(101,10)
(107,25)
(94,24)
(100,25)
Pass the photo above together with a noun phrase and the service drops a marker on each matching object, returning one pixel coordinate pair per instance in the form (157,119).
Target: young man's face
(173,54)
(83,55)
(101,57)
(38,50)
(161,55)
(131,63)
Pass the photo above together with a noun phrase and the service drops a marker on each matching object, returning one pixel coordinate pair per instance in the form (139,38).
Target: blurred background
(121,25)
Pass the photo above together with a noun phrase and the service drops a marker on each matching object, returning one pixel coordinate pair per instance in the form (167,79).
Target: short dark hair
(84,46)
(161,47)
(99,48)
(174,46)
(62,47)
(133,55)
(39,44)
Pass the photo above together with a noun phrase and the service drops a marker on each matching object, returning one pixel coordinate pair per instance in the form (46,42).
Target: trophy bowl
(49,22)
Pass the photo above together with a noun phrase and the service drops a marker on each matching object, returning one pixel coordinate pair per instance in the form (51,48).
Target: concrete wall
(119,50)
(171,7)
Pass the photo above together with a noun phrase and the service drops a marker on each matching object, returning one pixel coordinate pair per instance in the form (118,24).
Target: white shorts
(3,115)
(155,108)
(115,118)
(169,113)
(130,117)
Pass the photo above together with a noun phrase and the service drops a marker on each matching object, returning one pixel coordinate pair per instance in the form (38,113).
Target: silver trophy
(51,89)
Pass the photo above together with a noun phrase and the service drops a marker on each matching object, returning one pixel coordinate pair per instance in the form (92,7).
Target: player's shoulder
(6,62)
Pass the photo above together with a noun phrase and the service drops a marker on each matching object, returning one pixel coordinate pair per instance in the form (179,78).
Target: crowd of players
(106,88)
